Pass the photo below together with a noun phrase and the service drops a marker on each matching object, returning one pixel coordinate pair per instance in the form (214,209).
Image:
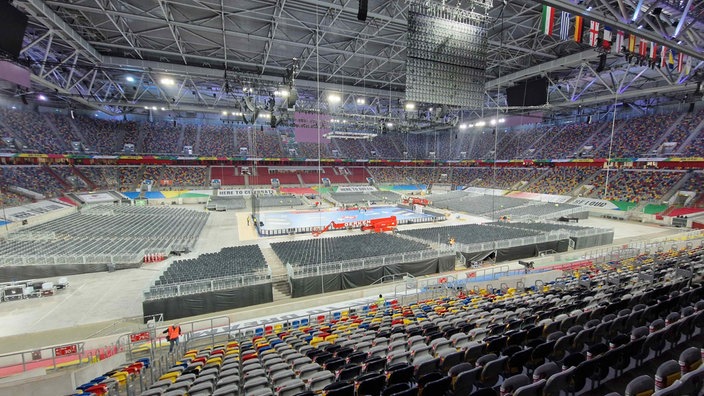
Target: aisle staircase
(279,277)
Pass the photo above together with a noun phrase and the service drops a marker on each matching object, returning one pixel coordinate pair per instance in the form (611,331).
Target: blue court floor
(313,218)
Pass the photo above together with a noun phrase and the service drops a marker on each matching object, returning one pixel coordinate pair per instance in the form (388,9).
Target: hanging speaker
(362,13)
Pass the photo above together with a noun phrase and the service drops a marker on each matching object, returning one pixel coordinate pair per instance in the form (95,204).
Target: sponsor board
(594,203)
(540,197)
(244,192)
(24,212)
(485,191)
(95,198)
(356,189)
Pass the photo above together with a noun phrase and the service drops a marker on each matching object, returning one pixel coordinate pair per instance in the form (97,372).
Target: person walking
(381,302)
(173,333)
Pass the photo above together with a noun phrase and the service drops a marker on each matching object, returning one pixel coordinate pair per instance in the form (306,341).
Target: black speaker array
(362,13)
(13,23)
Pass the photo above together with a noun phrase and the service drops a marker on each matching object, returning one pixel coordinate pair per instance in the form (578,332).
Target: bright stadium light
(361,101)
(129,79)
(334,98)
(168,81)
(493,121)
(410,106)
(502,120)
(480,124)
(224,112)
(463,126)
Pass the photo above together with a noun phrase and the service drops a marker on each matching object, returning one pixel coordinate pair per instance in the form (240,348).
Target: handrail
(302,271)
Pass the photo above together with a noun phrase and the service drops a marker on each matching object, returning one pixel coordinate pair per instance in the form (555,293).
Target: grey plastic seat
(229,390)
(512,383)
(545,370)
(398,345)
(254,384)
(639,385)
(557,382)
(667,373)
(281,377)
(291,388)
(690,359)
(260,392)
(693,382)
(201,389)
(320,380)
(308,370)
(534,389)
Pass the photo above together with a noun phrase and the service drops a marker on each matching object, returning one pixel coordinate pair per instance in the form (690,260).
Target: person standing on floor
(173,333)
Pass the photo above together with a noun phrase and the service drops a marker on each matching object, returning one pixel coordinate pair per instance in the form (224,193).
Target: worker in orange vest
(173,332)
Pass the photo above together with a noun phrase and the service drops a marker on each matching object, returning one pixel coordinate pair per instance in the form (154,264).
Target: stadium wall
(347,280)
(16,272)
(519,252)
(203,303)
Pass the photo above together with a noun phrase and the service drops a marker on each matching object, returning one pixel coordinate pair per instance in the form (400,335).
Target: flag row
(572,28)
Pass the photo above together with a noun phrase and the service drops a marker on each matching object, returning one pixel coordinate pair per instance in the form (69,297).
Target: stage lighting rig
(447,51)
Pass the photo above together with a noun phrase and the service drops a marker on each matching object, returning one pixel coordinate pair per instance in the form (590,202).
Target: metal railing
(207,285)
(304,271)
(507,243)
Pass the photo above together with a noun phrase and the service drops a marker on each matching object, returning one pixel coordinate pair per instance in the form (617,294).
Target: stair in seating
(280,288)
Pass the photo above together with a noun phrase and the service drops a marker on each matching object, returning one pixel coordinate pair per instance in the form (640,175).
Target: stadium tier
(564,336)
(659,134)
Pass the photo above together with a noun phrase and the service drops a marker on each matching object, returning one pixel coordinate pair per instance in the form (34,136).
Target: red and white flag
(620,37)
(642,47)
(653,50)
(593,33)
(663,56)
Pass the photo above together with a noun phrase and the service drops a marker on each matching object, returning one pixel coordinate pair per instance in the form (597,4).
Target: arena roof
(112,55)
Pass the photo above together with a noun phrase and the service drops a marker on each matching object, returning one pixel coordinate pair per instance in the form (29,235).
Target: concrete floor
(106,304)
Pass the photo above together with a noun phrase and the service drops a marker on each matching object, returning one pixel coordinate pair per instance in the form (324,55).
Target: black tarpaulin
(203,303)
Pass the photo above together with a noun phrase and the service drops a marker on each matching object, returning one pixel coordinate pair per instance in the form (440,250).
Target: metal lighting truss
(111,55)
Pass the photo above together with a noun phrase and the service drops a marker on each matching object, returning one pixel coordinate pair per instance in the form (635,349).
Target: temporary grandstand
(347,198)
(98,238)
(339,263)
(231,278)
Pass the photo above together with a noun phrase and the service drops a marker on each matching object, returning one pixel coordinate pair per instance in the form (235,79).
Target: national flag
(578,26)
(593,33)
(653,50)
(547,20)
(631,43)
(642,48)
(606,40)
(564,25)
(619,41)
(671,59)
(688,65)
(680,62)
(663,56)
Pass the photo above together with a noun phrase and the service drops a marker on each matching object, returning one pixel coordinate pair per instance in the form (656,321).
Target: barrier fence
(304,271)
(207,285)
